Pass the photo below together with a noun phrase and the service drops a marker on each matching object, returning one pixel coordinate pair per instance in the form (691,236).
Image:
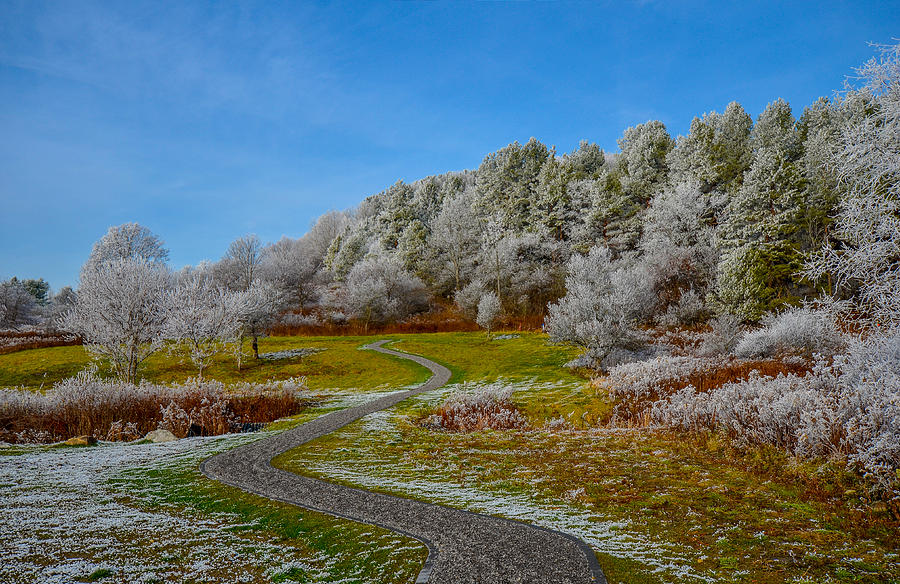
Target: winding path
(464,547)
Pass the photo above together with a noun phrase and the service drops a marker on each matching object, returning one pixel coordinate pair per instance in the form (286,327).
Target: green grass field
(342,365)
(693,508)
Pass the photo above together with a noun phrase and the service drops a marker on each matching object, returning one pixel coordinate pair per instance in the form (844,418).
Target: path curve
(464,547)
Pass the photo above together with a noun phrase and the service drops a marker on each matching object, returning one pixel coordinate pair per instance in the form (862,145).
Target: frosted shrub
(113,410)
(689,309)
(473,408)
(488,311)
(850,408)
(723,337)
(291,319)
(796,331)
(468,298)
(634,385)
(605,301)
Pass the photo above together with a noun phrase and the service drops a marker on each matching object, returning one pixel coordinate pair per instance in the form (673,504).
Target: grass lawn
(342,365)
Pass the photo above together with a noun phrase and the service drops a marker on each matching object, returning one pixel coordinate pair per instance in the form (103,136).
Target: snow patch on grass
(62,519)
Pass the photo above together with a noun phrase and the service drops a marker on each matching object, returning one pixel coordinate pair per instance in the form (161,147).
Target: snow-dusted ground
(63,516)
(61,520)
(672,562)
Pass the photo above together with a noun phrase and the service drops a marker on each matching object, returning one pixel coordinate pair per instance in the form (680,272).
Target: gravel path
(464,547)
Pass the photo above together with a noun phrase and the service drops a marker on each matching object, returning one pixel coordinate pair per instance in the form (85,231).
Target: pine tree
(760,254)
(716,152)
(507,182)
(643,165)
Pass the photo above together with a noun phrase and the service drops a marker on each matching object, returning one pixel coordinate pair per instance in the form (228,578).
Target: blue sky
(207,121)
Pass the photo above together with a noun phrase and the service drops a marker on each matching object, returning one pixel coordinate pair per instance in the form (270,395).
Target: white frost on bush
(796,331)
(850,408)
(476,407)
(643,379)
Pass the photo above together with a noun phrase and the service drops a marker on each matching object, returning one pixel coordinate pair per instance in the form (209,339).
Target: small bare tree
(488,312)
(202,318)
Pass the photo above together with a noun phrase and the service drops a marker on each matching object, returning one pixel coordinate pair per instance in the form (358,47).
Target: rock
(81,441)
(160,436)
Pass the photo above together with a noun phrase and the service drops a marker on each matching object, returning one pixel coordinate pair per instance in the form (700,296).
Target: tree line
(737,217)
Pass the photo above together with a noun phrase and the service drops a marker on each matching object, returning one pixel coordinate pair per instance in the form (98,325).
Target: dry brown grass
(445,318)
(114,411)
(734,372)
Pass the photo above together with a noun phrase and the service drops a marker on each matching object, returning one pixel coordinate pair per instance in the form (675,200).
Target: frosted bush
(478,407)
(558,424)
(468,298)
(605,301)
(689,309)
(645,378)
(291,319)
(488,311)
(634,385)
(850,408)
(796,331)
(723,337)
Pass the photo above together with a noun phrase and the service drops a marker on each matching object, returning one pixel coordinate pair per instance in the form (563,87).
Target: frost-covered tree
(290,267)
(468,297)
(129,241)
(553,210)
(507,182)
(605,301)
(488,312)
(378,290)
(612,215)
(396,214)
(120,311)
(587,160)
(678,244)
(716,152)
(819,129)
(256,309)
(17,305)
(39,289)
(760,253)
(240,266)
(321,235)
(643,163)
(868,222)
(347,250)
(411,247)
(59,304)
(455,240)
(202,318)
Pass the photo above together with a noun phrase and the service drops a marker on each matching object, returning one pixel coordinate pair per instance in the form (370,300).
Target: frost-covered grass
(142,513)
(342,365)
(658,506)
